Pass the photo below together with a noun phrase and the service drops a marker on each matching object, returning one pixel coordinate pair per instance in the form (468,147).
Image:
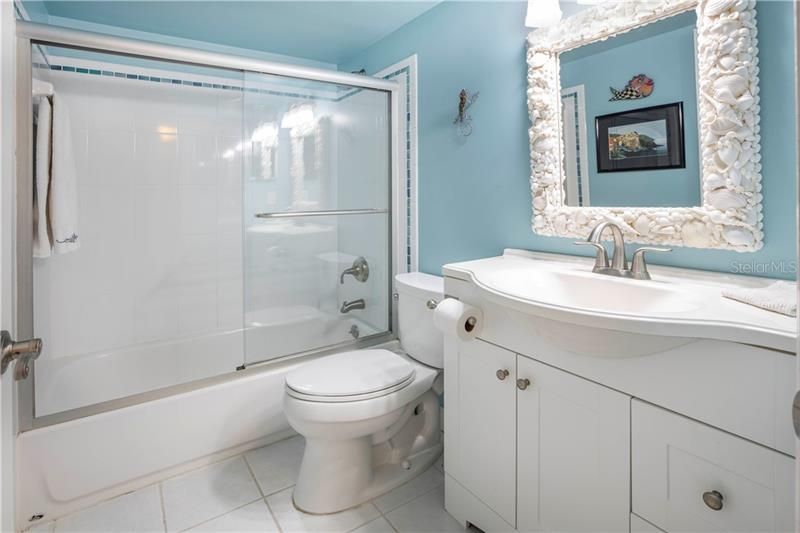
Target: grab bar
(293,214)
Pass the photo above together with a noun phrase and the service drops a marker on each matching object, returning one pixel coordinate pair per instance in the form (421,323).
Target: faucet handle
(638,264)
(601,261)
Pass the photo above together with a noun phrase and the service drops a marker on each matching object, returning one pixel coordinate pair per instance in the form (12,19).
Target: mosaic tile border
(178,81)
(408,181)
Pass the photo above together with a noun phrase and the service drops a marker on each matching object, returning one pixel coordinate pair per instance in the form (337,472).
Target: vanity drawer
(683,469)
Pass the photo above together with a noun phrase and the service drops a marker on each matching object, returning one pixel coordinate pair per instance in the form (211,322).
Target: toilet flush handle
(431,304)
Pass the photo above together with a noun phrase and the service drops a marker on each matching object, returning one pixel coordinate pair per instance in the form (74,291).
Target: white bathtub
(74,464)
(71,382)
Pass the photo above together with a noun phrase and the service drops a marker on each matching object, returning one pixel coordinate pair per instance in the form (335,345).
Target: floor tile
(276,466)
(425,514)
(293,521)
(138,511)
(44,527)
(254,517)
(379,525)
(428,480)
(207,493)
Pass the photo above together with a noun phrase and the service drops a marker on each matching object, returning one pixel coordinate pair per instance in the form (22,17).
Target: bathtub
(68,466)
(72,382)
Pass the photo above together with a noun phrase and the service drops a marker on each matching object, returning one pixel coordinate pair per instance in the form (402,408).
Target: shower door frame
(29,34)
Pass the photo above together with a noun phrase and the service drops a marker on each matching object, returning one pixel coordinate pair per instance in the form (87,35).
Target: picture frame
(647,138)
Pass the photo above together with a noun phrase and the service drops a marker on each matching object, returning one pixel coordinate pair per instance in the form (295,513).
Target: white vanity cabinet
(627,422)
(573,450)
(486,426)
(530,447)
(543,449)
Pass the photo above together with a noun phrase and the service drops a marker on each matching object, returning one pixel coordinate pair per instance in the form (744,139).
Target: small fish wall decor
(463,120)
(640,86)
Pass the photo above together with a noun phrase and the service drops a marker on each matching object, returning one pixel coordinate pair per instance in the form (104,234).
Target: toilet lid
(350,373)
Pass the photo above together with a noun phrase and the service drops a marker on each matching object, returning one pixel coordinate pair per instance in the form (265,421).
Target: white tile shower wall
(161,254)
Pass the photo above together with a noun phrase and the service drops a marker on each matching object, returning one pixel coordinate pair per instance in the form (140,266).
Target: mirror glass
(629,118)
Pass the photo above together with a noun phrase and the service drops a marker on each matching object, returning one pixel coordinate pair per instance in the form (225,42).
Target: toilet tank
(418,336)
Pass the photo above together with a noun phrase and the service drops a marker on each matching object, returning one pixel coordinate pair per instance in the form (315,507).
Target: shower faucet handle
(359,270)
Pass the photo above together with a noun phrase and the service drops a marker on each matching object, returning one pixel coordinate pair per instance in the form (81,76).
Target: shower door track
(32,33)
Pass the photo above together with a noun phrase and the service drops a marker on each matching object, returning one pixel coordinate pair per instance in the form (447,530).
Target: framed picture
(650,138)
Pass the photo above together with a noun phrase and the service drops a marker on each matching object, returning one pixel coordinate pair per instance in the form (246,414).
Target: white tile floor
(253,492)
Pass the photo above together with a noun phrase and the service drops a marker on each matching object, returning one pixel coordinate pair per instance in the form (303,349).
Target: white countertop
(685,302)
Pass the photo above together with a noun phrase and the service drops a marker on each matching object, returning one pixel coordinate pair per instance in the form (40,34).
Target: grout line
(253,475)
(163,507)
(274,516)
(219,515)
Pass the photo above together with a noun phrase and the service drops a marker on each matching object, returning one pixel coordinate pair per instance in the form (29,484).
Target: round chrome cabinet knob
(431,304)
(523,384)
(502,374)
(713,500)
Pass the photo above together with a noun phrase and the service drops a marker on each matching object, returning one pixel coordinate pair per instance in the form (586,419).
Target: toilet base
(385,478)
(339,473)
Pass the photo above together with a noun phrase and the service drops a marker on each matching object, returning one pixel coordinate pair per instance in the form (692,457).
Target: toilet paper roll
(453,317)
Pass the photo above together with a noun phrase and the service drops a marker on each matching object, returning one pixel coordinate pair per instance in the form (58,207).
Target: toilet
(370,417)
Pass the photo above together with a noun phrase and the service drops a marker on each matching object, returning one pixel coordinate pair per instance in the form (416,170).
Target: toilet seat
(351,376)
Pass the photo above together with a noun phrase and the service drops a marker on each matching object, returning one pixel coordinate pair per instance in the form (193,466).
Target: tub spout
(355,304)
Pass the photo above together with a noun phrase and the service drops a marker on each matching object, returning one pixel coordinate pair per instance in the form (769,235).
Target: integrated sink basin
(674,303)
(593,292)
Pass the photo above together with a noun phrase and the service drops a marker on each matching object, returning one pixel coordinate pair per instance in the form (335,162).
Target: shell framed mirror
(646,114)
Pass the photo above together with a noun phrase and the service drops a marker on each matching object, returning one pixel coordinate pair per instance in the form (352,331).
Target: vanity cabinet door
(688,476)
(485,443)
(573,452)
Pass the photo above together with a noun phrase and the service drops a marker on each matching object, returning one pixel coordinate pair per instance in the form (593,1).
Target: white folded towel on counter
(56,196)
(779,297)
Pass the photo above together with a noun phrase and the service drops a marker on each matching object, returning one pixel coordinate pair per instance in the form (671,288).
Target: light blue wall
(37,13)
(664,51)
(474,193)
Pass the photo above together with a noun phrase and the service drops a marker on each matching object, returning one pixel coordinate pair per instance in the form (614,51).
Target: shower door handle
(23,352)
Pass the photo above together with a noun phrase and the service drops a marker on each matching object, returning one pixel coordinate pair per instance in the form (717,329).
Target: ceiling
(327,31)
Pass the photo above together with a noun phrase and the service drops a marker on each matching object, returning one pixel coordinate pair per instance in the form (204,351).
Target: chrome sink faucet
(619,263)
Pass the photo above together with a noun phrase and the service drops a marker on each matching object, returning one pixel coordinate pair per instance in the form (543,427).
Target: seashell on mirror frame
(728,108)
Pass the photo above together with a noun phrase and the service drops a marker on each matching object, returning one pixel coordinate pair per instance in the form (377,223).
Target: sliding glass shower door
(217,218)
(316,215)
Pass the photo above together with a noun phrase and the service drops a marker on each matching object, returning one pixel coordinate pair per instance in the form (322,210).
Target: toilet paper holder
(470,324)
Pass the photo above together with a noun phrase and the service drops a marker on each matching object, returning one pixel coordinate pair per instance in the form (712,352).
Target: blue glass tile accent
(68,69)
(94,72)
(55,67)
(82,70)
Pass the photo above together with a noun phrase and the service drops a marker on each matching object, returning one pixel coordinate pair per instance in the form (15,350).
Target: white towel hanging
(56,197)
(41,88)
